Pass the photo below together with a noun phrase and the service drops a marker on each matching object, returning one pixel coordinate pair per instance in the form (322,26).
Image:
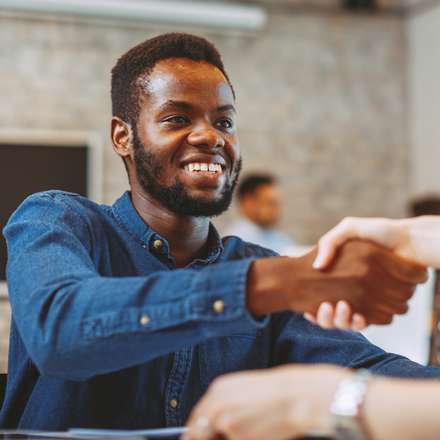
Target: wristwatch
(346,406)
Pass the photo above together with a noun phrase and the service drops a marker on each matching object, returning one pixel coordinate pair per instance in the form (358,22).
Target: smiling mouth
(204,168)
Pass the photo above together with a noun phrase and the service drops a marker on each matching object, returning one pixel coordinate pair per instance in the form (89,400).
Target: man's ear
(122,138)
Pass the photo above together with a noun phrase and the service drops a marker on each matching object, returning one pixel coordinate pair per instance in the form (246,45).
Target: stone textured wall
(321,100)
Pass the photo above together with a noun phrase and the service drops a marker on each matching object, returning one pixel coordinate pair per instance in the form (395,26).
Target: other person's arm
(415,239)
(293,401)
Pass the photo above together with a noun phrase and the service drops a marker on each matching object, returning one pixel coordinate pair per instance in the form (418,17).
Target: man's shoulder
(56,197)
(57,205)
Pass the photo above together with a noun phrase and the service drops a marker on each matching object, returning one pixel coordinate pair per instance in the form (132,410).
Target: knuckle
(216,385)
(347,222)
(403,309)
(424,275)
(364,271)
(386,319)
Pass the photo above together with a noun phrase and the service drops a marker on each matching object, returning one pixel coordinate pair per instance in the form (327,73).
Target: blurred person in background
(293,401)
(260,205)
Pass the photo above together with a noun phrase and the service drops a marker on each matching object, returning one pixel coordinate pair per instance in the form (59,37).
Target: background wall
(322,102)
(424,94)
(321,99)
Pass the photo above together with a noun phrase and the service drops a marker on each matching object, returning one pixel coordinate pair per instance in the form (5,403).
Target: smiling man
(123,315)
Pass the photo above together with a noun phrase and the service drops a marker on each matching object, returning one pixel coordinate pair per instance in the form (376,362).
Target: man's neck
(187,236)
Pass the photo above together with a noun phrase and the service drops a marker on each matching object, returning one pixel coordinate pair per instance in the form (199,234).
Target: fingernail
(318,262)
(326,307)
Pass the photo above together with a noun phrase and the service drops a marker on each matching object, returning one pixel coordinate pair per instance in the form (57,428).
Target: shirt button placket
(176,384)
(174,403)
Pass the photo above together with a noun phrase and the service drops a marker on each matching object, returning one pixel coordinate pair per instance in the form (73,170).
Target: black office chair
(3,379)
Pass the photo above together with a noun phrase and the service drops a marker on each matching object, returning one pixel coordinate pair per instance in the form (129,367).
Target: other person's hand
(280,403)
(340,316)
(372,279)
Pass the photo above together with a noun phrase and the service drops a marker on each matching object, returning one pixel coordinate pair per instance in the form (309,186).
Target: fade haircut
(129,75)
(252,182)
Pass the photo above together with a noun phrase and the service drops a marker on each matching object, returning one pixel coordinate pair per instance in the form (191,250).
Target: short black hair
(250,183)
(140,61)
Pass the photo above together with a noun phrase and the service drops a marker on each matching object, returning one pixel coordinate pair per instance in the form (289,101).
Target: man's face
(263,207)
(187,154)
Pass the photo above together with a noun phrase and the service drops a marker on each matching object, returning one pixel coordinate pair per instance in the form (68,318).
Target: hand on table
(280,403)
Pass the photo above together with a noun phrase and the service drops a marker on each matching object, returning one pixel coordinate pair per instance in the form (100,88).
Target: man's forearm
(282,283)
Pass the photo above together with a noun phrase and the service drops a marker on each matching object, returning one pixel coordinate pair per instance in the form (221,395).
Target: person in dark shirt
(123,315)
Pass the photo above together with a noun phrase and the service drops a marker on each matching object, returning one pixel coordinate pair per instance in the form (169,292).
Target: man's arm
(72,320)
(297,340)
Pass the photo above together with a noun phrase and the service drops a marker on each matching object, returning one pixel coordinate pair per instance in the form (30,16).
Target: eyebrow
(226,108)
(183,105)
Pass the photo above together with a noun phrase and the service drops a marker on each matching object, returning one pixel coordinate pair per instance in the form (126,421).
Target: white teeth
(211,167)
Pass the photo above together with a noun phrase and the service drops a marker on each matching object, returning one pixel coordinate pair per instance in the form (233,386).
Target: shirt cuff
(219,294)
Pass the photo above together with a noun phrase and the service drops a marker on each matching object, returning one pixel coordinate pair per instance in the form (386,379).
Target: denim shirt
(107,332)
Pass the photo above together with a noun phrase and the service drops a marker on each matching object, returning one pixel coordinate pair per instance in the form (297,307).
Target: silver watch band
(346,406)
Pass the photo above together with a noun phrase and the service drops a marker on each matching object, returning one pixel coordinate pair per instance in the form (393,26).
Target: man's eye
(225,123)
(177,120)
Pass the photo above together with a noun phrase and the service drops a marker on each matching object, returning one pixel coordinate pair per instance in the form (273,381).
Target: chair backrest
(3,379)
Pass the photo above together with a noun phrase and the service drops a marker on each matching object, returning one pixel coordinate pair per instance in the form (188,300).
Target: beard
(175,197)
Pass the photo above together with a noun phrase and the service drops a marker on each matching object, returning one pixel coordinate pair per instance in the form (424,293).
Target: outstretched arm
(416,239)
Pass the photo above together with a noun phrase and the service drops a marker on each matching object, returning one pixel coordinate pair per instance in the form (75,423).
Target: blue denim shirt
(106,332)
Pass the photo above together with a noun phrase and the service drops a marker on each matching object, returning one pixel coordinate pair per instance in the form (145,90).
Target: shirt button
(173,403)
(218,306)
(145,320)
(157,244)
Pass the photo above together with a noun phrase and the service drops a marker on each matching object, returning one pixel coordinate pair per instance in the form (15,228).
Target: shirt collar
(128,218)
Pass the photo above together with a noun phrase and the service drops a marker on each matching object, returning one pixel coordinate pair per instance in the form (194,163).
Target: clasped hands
(369,283)
(363,284)
(406,252)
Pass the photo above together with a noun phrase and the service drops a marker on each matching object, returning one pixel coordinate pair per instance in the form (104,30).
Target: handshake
(367,269)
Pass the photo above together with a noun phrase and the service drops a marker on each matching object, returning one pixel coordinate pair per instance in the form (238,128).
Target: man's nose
(207,137)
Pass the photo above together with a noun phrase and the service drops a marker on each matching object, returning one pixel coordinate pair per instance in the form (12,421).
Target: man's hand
(281,403)
(372,279)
